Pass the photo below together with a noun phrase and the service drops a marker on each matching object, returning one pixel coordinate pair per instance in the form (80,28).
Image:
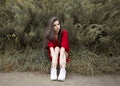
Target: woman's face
(56,26)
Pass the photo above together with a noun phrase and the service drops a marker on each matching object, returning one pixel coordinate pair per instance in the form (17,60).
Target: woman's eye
(54,25)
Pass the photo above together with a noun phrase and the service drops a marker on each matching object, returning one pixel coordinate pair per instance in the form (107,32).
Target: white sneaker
(62,74)
(53,75)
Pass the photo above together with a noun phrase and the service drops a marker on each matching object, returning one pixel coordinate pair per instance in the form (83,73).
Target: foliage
(93,26)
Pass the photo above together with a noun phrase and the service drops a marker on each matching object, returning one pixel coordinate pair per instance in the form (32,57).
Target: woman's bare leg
(63,55)
(55,60)
(53,75)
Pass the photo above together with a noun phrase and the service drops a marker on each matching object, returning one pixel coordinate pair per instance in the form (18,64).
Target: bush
(93,27)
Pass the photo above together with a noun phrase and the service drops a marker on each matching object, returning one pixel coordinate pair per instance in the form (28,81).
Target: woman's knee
(57,49)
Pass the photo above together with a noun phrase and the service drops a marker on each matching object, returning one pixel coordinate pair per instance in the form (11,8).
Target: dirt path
(37,79)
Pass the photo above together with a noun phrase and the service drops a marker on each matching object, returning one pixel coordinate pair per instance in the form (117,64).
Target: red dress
(64,43)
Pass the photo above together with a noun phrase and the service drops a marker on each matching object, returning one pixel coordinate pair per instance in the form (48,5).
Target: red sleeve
(64,40)
(50,44)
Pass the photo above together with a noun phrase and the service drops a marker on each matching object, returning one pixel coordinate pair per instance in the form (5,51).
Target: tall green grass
(83,62)
(24,60)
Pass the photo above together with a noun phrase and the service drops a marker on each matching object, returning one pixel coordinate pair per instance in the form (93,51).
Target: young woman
(58,48)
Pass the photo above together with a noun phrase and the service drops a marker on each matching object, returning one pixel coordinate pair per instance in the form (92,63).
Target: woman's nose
(56,26)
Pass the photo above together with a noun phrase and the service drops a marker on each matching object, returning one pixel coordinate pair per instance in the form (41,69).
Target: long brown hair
(50,33)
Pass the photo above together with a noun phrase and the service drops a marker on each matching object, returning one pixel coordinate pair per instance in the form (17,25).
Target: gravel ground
(38,79)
